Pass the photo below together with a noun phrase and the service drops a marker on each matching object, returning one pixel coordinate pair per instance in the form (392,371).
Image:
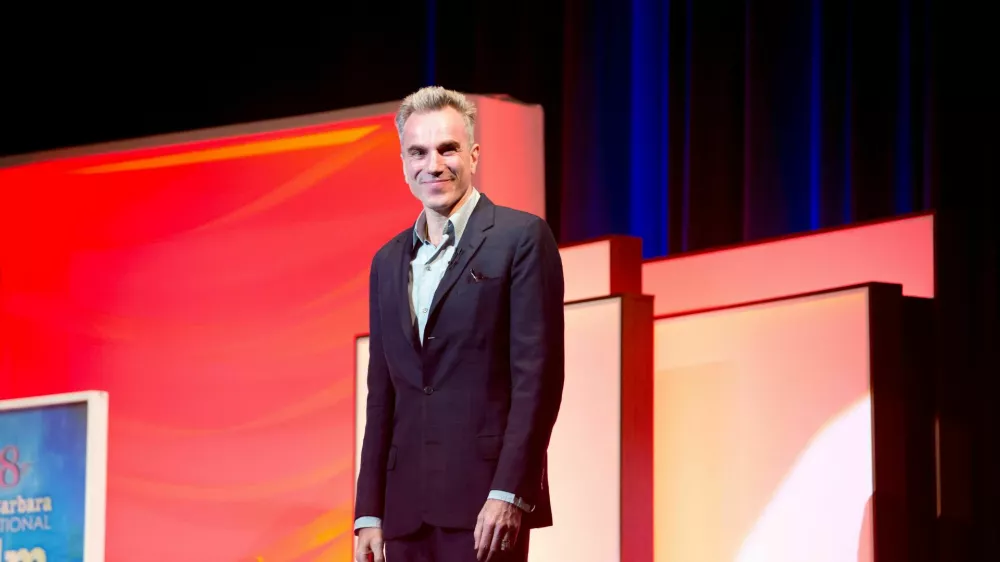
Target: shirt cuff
(509,498)
(367,522)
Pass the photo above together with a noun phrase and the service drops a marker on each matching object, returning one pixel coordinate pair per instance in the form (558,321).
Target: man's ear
(474,156)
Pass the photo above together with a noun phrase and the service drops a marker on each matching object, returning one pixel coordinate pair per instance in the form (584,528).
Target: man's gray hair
(433,98)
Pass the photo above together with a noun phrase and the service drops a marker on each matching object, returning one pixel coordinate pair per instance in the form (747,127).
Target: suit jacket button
(428,390)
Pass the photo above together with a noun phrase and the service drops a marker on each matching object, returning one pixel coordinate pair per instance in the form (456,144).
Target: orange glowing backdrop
(213,284)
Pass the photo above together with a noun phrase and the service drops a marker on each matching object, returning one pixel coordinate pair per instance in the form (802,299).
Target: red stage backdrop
(214,287)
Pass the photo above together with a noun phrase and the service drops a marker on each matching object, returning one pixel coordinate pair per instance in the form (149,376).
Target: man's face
(438,160)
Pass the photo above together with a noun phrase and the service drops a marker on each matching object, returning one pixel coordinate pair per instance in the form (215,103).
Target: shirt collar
(456,223)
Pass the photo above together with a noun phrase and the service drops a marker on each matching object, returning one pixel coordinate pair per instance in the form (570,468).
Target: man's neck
(435,220)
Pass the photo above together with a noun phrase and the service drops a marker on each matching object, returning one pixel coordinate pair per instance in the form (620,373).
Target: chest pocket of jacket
(482,282)
(487,295)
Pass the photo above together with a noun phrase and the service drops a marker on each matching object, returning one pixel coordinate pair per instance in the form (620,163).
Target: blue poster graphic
(43,461)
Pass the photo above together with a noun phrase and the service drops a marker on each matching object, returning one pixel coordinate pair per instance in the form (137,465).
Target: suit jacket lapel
(480,221)
(402,291)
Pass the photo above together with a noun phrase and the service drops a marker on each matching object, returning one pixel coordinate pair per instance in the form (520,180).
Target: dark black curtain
(967,273)
(689,123)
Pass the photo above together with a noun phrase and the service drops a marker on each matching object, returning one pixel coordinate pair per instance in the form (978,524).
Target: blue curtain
(694,124)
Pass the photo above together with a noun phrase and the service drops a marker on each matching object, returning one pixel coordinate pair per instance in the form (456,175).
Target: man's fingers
(361,554)
(511,536)
(498,534)
(370,547)
(477,533)
(483,543)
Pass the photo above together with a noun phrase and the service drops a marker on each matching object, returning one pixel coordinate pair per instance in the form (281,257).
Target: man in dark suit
(465,372)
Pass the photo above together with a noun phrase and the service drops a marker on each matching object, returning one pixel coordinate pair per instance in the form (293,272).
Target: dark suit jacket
(472,409)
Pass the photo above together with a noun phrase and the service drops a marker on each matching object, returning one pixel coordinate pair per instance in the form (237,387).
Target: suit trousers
(434,544)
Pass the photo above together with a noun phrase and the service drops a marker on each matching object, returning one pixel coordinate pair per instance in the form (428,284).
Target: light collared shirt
(430,262)
(427,268)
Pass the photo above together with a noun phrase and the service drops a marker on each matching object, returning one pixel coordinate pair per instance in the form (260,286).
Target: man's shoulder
(402,237)
(517,221)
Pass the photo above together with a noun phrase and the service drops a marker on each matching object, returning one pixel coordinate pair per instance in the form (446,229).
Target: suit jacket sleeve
(536,361)
(380,406)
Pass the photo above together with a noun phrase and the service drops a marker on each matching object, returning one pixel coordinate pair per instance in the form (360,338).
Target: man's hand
(370,545)
(498,520)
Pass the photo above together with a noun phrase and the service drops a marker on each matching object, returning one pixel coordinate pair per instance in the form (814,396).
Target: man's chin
(440,203)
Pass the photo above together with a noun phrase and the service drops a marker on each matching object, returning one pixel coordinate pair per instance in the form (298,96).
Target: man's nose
(436,163)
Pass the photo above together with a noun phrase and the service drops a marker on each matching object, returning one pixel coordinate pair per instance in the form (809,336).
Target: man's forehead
(439,125)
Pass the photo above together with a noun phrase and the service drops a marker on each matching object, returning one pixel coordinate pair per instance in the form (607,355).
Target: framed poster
(53,477)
